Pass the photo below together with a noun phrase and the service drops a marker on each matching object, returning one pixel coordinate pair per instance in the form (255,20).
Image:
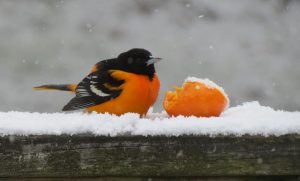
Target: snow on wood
(249,118)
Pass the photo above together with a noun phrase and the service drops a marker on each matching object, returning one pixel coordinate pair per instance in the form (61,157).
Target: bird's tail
(61,87)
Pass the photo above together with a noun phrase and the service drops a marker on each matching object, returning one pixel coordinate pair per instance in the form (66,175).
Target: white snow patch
(249,118)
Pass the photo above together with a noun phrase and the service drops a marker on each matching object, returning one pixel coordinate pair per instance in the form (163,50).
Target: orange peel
(197,97)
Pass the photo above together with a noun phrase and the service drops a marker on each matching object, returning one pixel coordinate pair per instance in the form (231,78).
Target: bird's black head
(139,61)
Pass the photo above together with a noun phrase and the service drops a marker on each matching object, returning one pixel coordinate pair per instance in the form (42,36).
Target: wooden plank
(231,178)
(149,157)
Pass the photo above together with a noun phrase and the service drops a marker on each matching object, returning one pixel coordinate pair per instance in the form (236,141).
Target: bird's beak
(153,60)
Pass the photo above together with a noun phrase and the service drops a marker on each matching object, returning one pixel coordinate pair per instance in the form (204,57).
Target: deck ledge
(85,155)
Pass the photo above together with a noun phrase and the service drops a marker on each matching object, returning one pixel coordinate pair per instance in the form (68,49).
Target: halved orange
(197,97)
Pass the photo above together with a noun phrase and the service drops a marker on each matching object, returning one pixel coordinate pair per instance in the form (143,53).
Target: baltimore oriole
(124,84)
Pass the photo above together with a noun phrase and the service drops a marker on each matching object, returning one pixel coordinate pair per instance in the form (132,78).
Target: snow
(249,118)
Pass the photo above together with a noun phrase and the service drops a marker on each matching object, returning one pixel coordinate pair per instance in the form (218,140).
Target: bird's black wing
(97,88)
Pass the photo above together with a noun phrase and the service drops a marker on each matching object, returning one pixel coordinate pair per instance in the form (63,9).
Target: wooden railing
(157,157)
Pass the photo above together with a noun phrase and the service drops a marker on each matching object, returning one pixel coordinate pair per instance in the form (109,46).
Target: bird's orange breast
(138,94)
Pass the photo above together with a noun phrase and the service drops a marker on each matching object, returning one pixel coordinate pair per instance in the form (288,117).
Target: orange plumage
(138,95)
(127,83)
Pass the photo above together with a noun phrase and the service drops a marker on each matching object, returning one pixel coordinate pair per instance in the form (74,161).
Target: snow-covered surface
(209,84)
(249,118)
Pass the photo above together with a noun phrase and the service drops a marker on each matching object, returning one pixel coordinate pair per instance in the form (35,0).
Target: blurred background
(250,48)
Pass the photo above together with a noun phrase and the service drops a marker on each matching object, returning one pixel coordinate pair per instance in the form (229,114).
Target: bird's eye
(130,60)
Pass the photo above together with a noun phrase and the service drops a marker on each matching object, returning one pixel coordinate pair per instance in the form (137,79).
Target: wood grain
(150,157)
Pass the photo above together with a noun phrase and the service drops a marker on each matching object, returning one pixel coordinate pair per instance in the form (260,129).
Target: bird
(128,83)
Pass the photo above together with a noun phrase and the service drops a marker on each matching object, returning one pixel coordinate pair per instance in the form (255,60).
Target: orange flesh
(195,99)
